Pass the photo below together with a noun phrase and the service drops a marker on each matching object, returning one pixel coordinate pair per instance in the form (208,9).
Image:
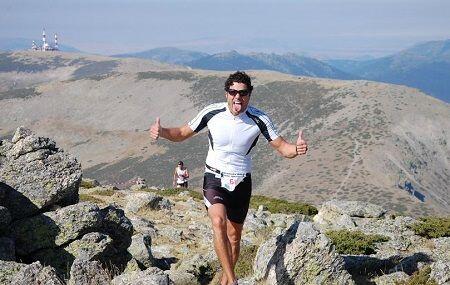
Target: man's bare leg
(218,215)
(234,232)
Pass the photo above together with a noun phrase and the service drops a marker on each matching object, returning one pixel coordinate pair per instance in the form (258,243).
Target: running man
(234,128)
(180,176)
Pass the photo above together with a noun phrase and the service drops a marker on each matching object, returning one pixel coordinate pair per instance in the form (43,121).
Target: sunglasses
(233,92)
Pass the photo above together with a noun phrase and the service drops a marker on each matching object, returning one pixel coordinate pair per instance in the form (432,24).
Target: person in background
(180,176)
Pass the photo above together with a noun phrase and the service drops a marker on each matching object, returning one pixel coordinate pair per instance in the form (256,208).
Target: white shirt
(231,138)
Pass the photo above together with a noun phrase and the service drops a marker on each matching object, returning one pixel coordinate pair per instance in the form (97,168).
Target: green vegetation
(354,242)
(175,192)
(421,277)
(89,198)
(432,227)
(87,184)
(244,266)
(282,206)
(95,69)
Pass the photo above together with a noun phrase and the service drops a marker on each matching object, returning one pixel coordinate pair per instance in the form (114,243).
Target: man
(234,128)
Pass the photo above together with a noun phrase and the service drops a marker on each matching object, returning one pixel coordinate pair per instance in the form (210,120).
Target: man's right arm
(172,134)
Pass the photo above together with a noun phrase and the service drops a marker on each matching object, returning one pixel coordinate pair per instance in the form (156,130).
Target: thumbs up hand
(301,144)
(155,129)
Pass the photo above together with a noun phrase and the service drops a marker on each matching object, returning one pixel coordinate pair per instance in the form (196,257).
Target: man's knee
(219,222)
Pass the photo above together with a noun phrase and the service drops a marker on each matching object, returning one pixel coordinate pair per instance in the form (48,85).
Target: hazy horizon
(320,28)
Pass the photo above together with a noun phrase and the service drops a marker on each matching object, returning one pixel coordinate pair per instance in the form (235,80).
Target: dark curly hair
(240,77)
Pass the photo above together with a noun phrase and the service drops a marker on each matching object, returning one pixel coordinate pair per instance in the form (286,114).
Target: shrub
(282,206)
(244,265)
(421,277)
(88,198)
(432,227)
(354,242)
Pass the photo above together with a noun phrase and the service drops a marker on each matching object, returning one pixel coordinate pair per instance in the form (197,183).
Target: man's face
(237,103)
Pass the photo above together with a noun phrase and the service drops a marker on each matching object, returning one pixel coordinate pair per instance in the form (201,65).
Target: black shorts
(236,202)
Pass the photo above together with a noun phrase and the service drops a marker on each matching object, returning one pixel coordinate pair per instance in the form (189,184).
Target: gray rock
(182,278)
(302,255)
(36,175)
(92,246)
(35,273)
(355,208)
(145,200)
(172,233)
(8,269)
(440,271)
(56,228)
(143,226)
(140,249)
(85,272)
(5,219)
(151,276)
(7,249)
(391,279)
(198,265)
(441,249)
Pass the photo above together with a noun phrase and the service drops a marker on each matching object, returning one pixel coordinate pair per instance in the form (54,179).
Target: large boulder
(53,229)
(92,246)
(36,175)
(137,201)
(302,255)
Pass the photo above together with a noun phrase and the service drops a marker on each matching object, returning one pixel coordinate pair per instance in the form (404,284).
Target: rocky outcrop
(86,272)
(36,175)
(302,255)
(143,200)
(35,273)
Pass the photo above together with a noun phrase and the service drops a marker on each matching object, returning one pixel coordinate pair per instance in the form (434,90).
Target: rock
(132,265)
(198,265)
(8,269)
(355,208)
(143,226)
(140,249)
(302,255)
(172,233)
(5,219)
(36,174)
(440,272)
(391,279)
(92,246)
(145,200)
(182,278)
(441,248)
(151,276)
(7,249)
(52,229)
(86,272)
(35,273)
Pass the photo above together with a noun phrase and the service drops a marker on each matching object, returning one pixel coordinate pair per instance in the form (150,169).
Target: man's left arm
(289,150)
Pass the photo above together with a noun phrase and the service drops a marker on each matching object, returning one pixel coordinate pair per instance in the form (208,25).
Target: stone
(87,272)
(140,249)
(391,279)
(143,226)
(35,273)
(182,278)
(36,175)
(145,200)
(151,276)
(302,255)
(440,272)
(52,229)
(8,269)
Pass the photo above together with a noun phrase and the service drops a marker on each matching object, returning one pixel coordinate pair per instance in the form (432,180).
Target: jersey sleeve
(264,123)
(201,120)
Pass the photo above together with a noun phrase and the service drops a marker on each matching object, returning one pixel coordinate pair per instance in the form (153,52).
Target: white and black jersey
(231,138)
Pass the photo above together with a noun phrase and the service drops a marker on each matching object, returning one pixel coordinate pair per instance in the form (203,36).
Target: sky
(318,28)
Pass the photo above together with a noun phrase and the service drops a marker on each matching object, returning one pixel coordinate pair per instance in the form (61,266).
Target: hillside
(167,54)
(425,66)
(369,141)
